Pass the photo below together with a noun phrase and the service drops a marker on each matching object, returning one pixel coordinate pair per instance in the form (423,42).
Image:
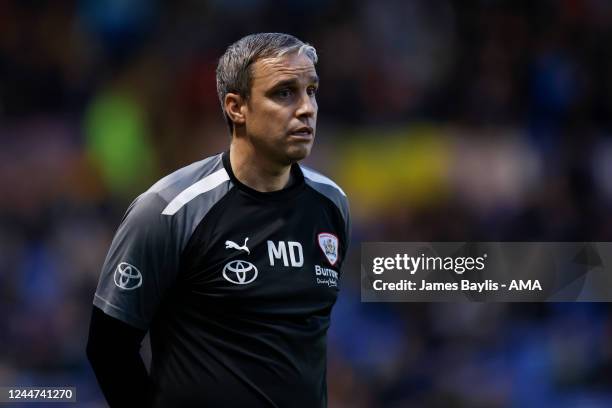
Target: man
(230,263)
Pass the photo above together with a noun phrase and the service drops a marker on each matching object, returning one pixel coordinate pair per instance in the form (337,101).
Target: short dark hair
(234,68)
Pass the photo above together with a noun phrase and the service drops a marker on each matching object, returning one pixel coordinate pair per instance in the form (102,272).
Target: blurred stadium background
(443,120)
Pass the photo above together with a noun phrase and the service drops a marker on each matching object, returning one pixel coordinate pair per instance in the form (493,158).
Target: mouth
(302,132)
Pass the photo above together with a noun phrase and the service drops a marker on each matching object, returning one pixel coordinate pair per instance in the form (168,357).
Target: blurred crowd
(442,120)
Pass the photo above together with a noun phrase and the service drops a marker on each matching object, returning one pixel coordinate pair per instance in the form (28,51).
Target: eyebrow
(292,81)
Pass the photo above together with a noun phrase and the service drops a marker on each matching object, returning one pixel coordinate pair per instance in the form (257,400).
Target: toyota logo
(127,276)
(240,272)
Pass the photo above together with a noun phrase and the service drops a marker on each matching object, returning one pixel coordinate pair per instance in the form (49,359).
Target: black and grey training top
(235,285)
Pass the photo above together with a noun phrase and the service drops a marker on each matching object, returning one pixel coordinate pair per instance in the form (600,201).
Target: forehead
(268,71)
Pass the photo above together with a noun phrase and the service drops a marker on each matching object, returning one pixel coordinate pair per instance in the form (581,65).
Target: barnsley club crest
(329,245)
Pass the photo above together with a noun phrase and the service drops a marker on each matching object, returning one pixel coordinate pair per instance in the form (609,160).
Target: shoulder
(181,187)
(181,199)
(165,190)
(328,188)
(172,185)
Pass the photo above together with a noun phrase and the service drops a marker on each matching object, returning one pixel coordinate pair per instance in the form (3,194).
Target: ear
(234,107)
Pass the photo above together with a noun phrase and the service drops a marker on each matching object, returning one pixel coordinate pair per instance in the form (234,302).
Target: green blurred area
(118,142)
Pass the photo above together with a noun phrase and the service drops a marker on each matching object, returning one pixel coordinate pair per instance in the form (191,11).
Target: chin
(297,153)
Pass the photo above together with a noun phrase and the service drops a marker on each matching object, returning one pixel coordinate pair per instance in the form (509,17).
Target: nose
(307,106)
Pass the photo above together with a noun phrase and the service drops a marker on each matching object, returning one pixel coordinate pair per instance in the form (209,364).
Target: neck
(255,171)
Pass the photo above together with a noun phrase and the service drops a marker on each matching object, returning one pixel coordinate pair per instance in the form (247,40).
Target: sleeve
(347,230)
(141,265)
(113,349)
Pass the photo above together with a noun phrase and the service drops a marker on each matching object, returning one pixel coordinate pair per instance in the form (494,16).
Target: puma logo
(232,245)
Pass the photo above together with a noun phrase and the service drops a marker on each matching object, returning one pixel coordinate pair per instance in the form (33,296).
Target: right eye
(284,93)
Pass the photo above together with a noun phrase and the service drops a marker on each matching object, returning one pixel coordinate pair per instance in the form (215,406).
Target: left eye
(312,91)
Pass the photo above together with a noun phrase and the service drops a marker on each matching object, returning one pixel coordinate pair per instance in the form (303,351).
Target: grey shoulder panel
(191,192)
(329,189)
(171,185)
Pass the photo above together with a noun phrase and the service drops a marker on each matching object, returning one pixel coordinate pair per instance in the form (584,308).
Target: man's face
(281,112)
